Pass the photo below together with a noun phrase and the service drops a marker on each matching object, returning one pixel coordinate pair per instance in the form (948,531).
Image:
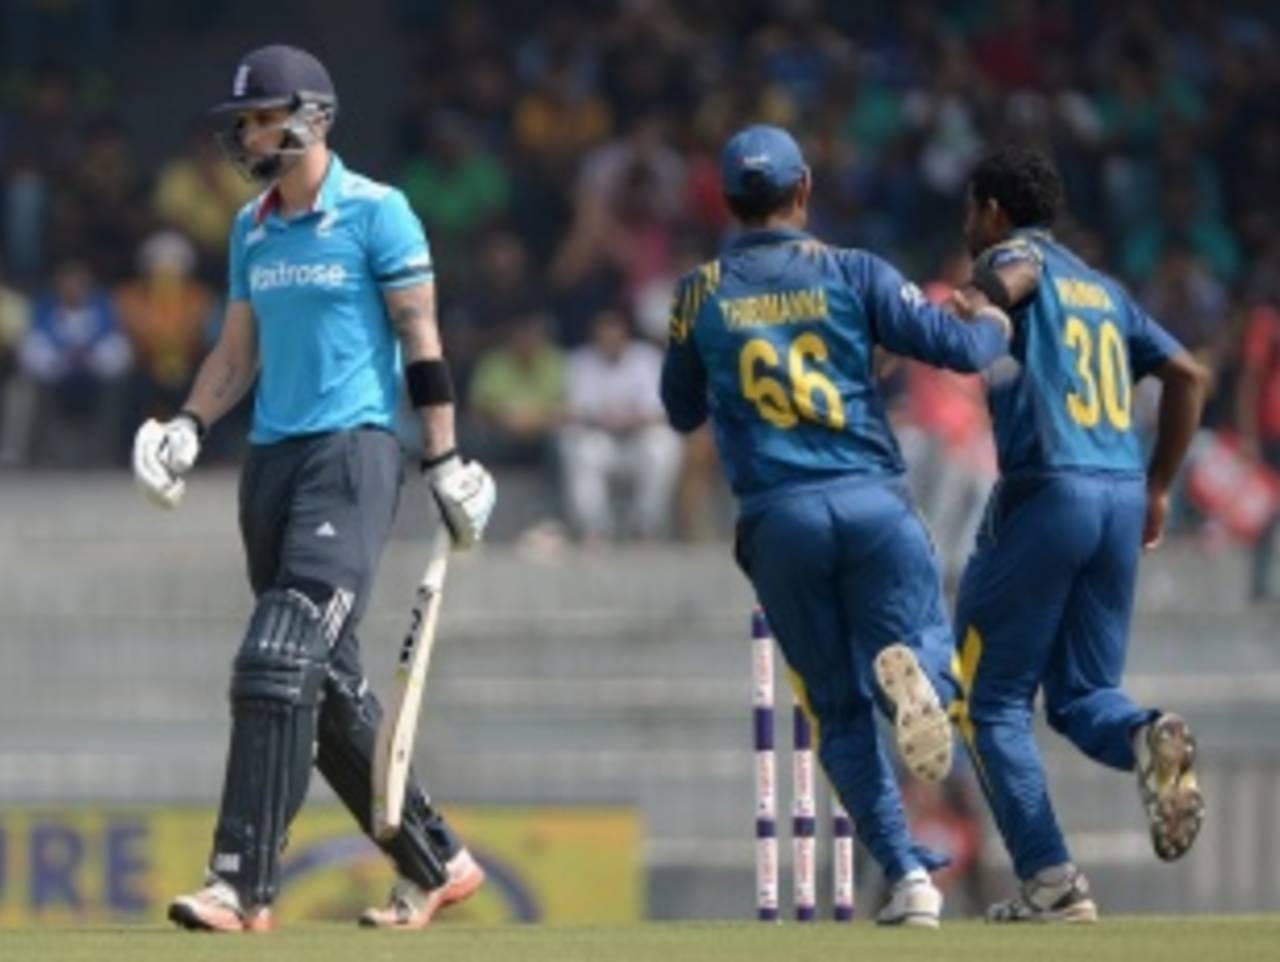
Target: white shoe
(410,907)
(1171,796)
(216,908)
(913,901)
(919,720)
(1037,901)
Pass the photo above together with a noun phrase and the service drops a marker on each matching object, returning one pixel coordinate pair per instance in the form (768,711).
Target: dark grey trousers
(315,515)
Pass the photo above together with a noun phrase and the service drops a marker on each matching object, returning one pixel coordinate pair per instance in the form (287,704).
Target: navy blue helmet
(278,76)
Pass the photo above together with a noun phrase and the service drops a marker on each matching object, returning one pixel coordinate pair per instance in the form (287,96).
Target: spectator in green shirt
(517,394)
(458,189)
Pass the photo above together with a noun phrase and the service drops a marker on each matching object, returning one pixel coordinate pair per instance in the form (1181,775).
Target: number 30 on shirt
(1108,391)
(769,393)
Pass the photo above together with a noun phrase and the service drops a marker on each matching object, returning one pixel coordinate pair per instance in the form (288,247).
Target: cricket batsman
(1046,598)
(331,302)
(774,341)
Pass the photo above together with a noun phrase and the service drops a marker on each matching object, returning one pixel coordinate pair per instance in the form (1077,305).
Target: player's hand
(1157,513)
(962,304)
(465,494)
(162,453)
(971,304)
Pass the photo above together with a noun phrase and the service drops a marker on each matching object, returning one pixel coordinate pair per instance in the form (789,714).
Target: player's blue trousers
(844,568)
(1046,601)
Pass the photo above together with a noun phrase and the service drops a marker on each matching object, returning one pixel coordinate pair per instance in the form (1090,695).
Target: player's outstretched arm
(1005,277)
(906,323)
(1185,383)
(164,451)
(464,490)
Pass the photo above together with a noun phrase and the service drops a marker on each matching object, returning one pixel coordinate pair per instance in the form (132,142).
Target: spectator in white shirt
(616,432)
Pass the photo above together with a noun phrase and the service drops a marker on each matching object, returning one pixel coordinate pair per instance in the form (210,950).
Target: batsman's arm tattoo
(222,388)
(229,370)
(412,311)
(413,315)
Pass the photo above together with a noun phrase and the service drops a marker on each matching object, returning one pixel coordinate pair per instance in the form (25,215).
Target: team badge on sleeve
(911,295)
(1016,250)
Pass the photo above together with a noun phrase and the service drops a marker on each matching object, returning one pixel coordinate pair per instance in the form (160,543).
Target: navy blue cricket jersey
(774,341)
(1065,401)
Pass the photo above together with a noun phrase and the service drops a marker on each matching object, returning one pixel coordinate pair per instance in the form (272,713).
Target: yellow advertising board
(63,866)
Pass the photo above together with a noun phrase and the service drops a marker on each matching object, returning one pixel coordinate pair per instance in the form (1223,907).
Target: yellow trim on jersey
(691,293)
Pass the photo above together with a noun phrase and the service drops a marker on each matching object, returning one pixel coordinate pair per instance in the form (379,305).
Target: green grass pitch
(1188,939)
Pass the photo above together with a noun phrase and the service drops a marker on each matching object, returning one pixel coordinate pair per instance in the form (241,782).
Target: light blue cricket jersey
(329,358)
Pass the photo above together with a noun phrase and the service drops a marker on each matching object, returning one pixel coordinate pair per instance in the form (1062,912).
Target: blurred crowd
(563,159)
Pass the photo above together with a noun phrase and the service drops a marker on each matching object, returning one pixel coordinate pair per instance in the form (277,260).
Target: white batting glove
(162,453)
(465,494)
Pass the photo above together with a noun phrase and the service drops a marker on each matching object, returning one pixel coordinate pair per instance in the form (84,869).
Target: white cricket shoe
(920,723)
(1167,783)
(216,908)
(913,901)
(411,907)
(1067,900)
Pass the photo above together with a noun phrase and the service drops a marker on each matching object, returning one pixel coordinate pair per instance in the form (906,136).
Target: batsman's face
(262,131)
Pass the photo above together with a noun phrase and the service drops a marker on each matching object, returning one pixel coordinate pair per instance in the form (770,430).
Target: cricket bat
(393,750)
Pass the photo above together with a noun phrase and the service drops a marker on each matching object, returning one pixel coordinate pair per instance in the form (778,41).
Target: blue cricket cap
(759,159)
